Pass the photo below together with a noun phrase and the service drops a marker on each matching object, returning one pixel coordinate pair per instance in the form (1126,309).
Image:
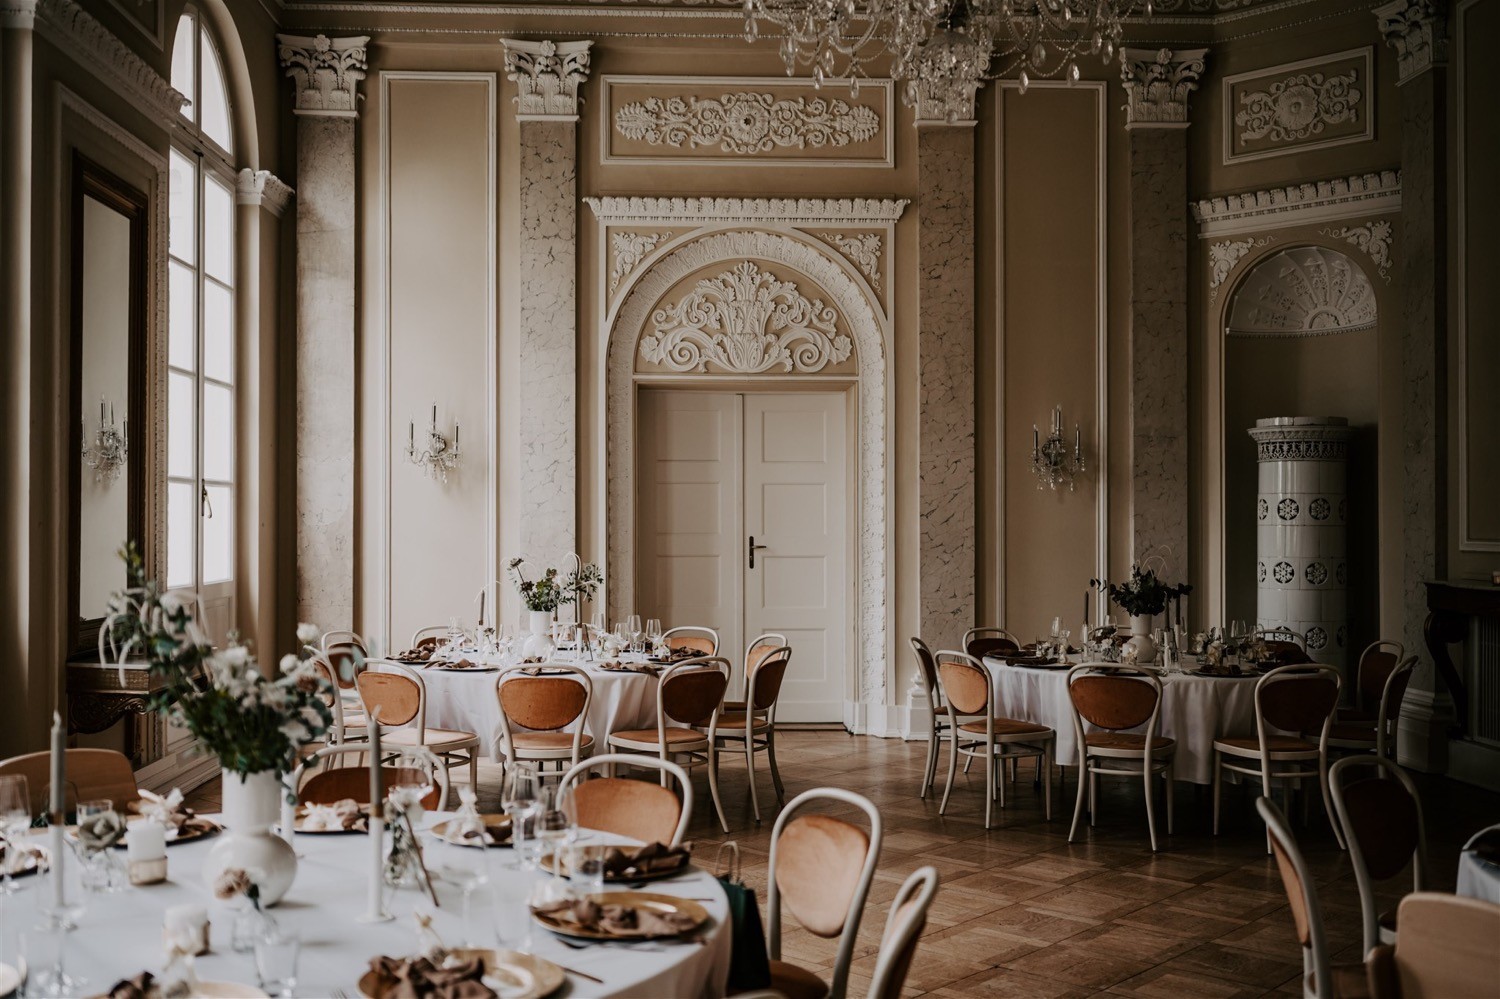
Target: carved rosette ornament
(325,72)
(547,75)
(1299,107)
(1157,85)
(747,321)
(1418,31)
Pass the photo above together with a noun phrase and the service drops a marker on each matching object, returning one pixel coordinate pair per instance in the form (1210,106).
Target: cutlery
(581,974)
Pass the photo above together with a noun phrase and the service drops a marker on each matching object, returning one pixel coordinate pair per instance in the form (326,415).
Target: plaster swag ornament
(1418,31)
(863,249)
(325,72)
(747,123)
(748,321)
(1299,107)
(630,248)
(1223,256)
(1373,238)
(547,76)
(1157,84)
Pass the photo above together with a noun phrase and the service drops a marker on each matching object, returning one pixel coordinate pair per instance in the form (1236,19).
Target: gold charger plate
(357,830)
(214,990)
(196,829)
(549,863)
(635,899)
(546,977)
(36,859)
(447,831)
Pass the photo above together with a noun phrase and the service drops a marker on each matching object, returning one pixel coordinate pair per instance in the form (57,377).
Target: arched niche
(717,258)
(1301,334)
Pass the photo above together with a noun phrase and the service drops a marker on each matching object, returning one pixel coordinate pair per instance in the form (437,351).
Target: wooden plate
(357,830)
(447,831)
(546,977)
(635,899)
(548,864)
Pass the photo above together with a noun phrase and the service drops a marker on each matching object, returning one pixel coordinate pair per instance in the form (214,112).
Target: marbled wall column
(1418,29)
(945,289)
(547,76)
(326,73)
(1157,84)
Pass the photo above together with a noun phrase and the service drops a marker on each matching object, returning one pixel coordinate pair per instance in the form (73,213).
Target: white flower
(290,663)
(308,634)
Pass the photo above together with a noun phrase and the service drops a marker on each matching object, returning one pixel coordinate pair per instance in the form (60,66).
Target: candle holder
(110,448)
(440,455)
(1050,461)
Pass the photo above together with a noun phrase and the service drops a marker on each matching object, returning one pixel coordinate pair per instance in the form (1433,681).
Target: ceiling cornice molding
(1300,204)
(802,211)
(80,35)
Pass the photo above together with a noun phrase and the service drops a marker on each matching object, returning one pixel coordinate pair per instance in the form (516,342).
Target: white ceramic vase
(251,804)
(539,643)
(1140,638)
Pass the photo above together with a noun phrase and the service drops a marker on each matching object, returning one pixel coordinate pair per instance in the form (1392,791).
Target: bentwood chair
(400,695)
(754,726)
(981,642)
(1114,699)
(1321,979)
(430,637)
(1447,949)
(940,727)
(759,648)
(1380,814)
(547,706)
(968,691)
(349,724)
(414,767)
(700,641)
(1376,663)
(643,811)
(89,774)
(903,928)
(1290,699)
(347,654)
(1285,645)
(688,693)
(821,868)
(1376,734)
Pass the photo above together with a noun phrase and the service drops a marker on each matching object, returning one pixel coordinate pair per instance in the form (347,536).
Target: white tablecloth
(1478,878)
(1195,711)
(465,700)
(120,935)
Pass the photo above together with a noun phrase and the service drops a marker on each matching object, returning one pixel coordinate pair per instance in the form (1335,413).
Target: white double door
(743,525)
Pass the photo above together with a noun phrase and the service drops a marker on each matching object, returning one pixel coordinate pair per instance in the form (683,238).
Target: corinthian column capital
(326,72)
(548,75)
(1418,31)
(1157,84)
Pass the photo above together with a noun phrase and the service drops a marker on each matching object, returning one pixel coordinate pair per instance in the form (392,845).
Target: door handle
(752,548)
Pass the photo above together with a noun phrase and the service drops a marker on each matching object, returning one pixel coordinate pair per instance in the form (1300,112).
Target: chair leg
(952,772)
(1146,776)
(1083,765)
(1093,797)
(771,760)
(1217,782)
(474,771)
(967,764)
(443,794)
(989,782)
(713,785)
(931,759)
(1044,766)
(1171,769)
(750,774)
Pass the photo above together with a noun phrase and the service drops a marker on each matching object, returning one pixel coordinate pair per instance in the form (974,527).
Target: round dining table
(1195,710)
(1478,876)
(119,935)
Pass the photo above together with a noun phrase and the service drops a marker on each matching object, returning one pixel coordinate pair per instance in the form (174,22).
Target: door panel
(796,505)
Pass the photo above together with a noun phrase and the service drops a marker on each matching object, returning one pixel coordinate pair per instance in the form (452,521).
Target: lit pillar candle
(55,808)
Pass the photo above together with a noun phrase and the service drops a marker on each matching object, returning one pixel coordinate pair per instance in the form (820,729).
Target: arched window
(201,333)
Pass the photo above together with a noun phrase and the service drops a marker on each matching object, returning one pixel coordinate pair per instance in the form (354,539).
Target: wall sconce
(1050,461)
(110,448)
(438,456)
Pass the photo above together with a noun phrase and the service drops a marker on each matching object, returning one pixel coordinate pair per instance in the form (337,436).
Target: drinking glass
(586,868)
(554,829)
(276,955)
(15,819)
(510,892)
(633,625)
(468,869)
(520,803)
(100,869)
(43,950)
(653,632)
(1056,627)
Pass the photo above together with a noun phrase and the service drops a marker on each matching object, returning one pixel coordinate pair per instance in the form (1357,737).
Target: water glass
(510,893)
(15,819)
(276,955)
(42,951)
(653,632)
(633,625)
(586,868)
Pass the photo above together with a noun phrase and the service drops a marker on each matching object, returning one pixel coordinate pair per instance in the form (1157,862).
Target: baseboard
(884,721)
(1474,763)
(1422,731)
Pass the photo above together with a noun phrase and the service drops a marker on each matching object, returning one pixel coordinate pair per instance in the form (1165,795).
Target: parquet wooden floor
(1021,913)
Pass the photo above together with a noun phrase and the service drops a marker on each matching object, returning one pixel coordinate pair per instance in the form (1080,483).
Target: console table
(1450,604)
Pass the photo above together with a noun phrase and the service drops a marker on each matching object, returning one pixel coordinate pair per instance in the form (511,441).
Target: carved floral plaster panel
(1374,238)
(1327,101)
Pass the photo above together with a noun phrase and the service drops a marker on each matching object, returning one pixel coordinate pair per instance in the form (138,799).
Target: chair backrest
(1114,697)
(964,684)
(927,670)
(1381,816)
(639,809)
(903,928)
(981,642)
(703,641)
(330,696)
(760,647)
(1376,663)
(415,767)
(429,637)
(399,693)
(1446,946)
(822,867)
(348,655)
(1301,896)
(692,691)
(543,703)
(1391,697)
(764,685)
(1299,698)
(90,774)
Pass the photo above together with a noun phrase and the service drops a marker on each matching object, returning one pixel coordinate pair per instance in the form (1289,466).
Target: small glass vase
(251,923)
(101,871)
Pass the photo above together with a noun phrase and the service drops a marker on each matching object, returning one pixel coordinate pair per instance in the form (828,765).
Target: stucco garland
(828,271)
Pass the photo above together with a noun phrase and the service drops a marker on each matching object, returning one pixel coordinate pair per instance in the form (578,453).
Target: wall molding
(1300,204)
(1273,114)
(94,47)
(792,211)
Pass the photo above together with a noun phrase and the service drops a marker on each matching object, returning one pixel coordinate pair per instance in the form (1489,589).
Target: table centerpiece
(1142,597)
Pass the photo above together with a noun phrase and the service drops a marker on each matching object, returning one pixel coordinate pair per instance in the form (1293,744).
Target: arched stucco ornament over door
(852,299)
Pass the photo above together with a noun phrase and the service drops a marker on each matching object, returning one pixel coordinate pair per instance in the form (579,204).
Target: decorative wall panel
(1327,101)
(745,121)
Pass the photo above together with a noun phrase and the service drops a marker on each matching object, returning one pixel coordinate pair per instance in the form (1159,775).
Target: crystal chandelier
(440,456)
(942,47)
(110,449)
(1050,461)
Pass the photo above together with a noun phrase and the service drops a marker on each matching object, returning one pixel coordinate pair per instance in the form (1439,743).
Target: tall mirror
(108,316)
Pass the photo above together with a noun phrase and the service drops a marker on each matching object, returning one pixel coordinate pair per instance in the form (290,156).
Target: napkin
(618,920)
(653,858)
(417,655)
(342,814)
(619,667)
(166,809)
(100,832)
(138,987)
(419,978)
(461,664)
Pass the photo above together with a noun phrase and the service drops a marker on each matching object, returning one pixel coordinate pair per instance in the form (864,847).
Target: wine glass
(555,829)
(15,819)
(653,632)
(520,803)
(1056,627)
(468,869)
(633,625)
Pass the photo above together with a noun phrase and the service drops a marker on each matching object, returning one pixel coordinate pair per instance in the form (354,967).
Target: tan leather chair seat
(1128,740)
(796,983)
(1007,726)
(439,740)
(549,740)
(1250,745)
(736,720)
(648,736)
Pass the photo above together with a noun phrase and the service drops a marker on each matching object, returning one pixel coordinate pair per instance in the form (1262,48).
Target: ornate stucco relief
(1223,256)
(1374,238)
(1300,106)
(863,250)
(747,123)
(628,249)
(1157,84)
(547,75)
(1300,204)
(325,72)
(99,50)
(1326,101)
(1418,31)
(1304,291)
